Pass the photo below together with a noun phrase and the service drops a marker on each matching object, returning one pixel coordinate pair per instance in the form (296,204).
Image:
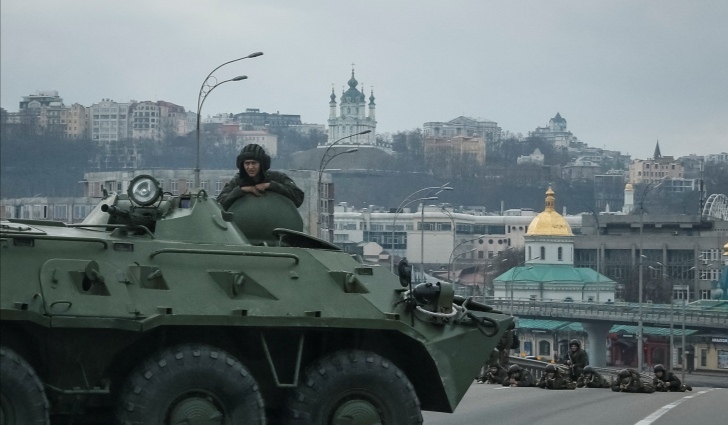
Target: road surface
(491,404)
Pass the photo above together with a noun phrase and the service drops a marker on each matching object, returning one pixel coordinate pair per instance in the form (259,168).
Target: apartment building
(109,121)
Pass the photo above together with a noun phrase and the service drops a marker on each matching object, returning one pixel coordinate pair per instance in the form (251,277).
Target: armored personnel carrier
(157,309)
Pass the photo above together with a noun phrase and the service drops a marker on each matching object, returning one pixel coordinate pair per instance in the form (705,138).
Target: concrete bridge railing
(657,314)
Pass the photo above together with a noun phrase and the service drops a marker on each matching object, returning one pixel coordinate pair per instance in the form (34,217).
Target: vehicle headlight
(144,190)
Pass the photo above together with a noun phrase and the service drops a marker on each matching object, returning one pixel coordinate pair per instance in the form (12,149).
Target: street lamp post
(328,156)
(450,262)
(454,234)
(639,308)
(684,357)
(599,249)
(422,233)
(407,201)
(206,88)
(685,301)
(394,221)
(321,192)
(640,327)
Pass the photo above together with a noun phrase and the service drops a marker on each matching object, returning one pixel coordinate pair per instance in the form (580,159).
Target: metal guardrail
(614,312)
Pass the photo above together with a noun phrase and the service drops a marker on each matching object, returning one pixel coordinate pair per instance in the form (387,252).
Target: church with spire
(349,116)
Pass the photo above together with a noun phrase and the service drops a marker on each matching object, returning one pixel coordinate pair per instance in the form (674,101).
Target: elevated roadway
(586,312)
(598,318)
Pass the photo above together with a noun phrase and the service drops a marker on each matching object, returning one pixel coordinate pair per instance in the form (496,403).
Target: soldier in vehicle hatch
(254,178)
(629,381)
(665,380)
(556,378)
(592,379)
(518,377)
(576,359)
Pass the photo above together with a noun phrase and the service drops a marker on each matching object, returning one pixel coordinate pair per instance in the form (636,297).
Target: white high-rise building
(109,121)
(352,118)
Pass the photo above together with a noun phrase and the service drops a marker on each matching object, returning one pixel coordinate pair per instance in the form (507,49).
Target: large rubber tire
(193,385)
(22,397)
(354,387)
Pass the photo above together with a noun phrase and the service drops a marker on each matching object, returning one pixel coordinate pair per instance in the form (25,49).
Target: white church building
(352,116)
(548,272)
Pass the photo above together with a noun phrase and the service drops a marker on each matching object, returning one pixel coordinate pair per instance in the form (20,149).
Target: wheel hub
(356,412)
(196,410)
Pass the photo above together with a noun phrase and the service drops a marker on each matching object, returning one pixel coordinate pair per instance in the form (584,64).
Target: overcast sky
(622,73)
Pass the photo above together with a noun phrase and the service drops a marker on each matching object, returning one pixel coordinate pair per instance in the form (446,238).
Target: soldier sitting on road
(628,381)
(495,374)
(518,377)
(665,380)
(592,379)
(556,378)
(576,359)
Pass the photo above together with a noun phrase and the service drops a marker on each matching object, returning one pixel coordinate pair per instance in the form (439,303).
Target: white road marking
(666,408)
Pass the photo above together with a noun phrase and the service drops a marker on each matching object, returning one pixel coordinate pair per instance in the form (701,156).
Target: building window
(60,212)
(705,294)
(218,187)
(709,274)
(560,254)
(527,347)
(703,358)
(543,253)
(529,252)
(722,359)
(79,212)
(39,212)
(544,348)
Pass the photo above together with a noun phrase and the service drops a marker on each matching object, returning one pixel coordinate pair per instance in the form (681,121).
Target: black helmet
(588,369)
(624,373)
(574,342)
(255,152)
(551,368)
(659,368)
(514,369)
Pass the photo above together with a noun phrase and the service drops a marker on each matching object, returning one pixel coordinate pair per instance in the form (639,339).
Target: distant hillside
(371,176)
(364,158)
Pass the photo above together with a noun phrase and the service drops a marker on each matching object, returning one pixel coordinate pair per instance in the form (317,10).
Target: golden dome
(549,222)
(629,187)
(725,250)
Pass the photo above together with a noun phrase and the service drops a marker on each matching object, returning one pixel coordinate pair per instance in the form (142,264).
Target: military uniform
(518,377)
(556,378)
(629,381)
(279,182)
(499,357)
(668,381)
(592,379)
(495,374)
(576,359)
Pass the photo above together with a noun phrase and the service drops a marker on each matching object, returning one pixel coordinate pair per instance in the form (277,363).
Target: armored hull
(165,312)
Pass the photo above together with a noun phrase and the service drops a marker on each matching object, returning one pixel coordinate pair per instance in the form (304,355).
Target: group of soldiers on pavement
(575,372)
